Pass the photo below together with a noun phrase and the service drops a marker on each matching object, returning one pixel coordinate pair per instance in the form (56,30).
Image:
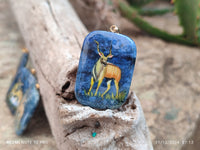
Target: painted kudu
(103,69)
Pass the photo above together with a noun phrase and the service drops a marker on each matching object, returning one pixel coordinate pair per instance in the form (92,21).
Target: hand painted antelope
(103,69)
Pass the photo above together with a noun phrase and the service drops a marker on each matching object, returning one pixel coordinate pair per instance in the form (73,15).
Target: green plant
(189,16)
(139,3)
(188,12)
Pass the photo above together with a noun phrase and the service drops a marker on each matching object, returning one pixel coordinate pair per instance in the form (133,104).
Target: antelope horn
(110,54)
(97,46)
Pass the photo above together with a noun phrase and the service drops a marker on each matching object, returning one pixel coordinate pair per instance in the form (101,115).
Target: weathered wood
(53,34)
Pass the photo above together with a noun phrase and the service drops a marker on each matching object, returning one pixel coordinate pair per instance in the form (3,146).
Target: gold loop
(33,71)
(24,50)
(37,86)
(114,29)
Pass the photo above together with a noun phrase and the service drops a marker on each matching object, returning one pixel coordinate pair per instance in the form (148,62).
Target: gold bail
(24,50)
(114,29)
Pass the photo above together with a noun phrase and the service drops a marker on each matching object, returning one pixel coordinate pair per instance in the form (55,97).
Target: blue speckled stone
(29,101)
(114,70)
(23,97)
(23,60)
(14,93)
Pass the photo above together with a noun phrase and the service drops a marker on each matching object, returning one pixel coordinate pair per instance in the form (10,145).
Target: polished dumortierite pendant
(23,95)
(15,92)
(28,102)
(105,70)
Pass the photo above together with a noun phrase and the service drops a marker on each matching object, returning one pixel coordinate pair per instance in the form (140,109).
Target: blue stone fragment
(105,70)
(29,101)
(22,97)
(94,134)
(23,61)
(14,94)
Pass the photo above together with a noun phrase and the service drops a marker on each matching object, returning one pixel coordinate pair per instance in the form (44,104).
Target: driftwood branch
(54,34)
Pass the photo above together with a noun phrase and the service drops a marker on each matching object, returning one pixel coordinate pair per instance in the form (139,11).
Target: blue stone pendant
(105,70)
(23,96)
(15,93)
(28,102)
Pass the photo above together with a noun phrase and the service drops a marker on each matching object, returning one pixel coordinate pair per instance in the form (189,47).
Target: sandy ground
(166,80)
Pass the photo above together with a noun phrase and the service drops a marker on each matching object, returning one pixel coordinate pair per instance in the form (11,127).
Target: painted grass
(120,98)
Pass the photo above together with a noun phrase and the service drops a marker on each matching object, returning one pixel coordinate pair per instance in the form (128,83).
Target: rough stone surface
(123,128)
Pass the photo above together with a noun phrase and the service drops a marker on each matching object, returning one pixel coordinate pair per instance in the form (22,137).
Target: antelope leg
(108,88)
(91,85)
(117,88)
(99,83)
